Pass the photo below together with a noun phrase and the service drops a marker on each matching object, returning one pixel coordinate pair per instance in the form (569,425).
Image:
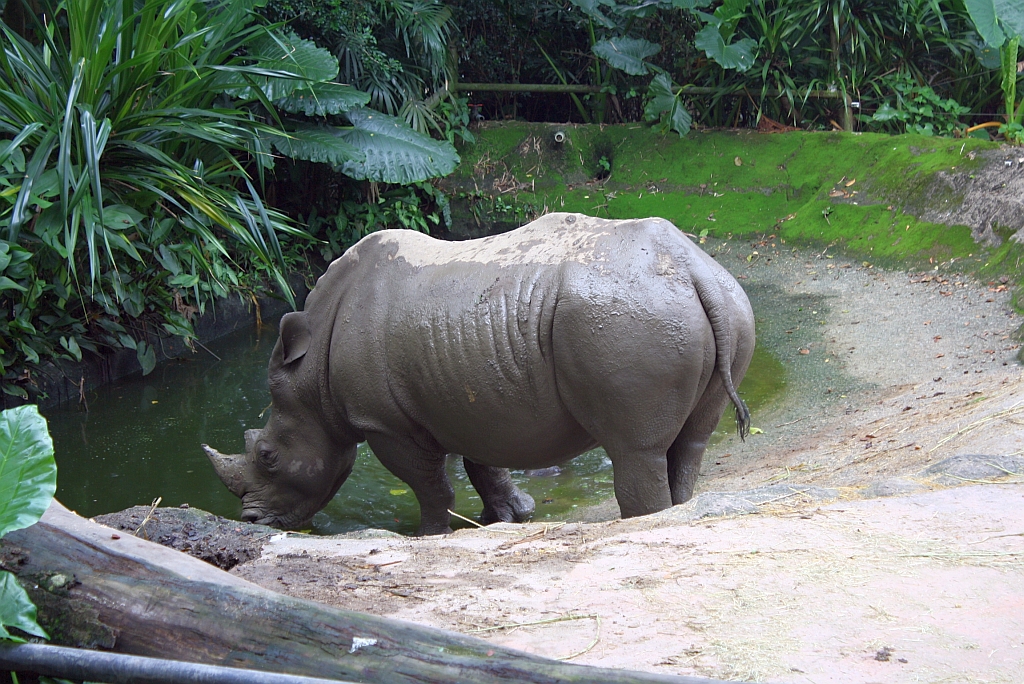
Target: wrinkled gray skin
(520,350)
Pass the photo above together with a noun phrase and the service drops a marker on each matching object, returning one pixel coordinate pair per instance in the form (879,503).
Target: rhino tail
(718,306)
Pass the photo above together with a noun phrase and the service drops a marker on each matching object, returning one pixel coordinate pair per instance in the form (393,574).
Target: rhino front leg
(425,474)
(503,500)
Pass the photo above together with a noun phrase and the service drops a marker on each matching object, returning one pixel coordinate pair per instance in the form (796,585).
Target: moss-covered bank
(867,194)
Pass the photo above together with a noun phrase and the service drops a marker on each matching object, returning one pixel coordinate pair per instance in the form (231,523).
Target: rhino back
(454,343)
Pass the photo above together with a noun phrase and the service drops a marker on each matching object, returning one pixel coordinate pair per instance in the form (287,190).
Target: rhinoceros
(520,350)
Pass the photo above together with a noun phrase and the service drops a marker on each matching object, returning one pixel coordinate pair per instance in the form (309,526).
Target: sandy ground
(874,531)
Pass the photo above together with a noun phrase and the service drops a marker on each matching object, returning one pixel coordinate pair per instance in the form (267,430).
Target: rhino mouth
(257,516)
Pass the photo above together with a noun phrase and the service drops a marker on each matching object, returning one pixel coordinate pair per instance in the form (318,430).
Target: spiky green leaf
(394,153)
(627,54)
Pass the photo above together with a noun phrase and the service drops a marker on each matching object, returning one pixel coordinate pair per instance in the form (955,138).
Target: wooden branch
(525,88)
(95,586)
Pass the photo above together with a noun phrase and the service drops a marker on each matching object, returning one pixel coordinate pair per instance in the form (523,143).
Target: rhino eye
(267,458)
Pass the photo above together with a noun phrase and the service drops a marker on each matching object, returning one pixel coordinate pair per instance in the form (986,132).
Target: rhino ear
(295,336)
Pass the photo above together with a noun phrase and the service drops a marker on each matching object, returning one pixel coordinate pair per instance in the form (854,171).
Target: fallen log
(99,588)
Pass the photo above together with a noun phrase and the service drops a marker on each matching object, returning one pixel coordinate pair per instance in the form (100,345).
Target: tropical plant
(1001,26)
(397,51)
(918,109)
(798,49)
(502,42)
(852,49)
(347,212)
(138,136)
(394,50)
(28,480)
(610,25)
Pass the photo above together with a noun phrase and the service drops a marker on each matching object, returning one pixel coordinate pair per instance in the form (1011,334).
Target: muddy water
(139,440)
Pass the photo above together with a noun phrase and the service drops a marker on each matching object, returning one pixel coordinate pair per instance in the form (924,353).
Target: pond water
(139,440)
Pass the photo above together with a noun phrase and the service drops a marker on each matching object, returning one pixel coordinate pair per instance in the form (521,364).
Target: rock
(965,467)
(716,505)
(894,486)
(980,197)
(986,235)
(369,533)
(719,504)
(216,540)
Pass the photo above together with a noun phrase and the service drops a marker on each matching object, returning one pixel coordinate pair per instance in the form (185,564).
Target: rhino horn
(230,469)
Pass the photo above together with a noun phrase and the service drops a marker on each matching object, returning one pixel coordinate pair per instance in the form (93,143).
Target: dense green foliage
(28,479)
(138,136)
(866,50)
(1001,25)
(395,50)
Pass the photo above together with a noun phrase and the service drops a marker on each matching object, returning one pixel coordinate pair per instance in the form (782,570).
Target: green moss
(860,192)
(745,181)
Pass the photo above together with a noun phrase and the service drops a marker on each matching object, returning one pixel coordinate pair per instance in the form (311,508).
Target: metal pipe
(118,668)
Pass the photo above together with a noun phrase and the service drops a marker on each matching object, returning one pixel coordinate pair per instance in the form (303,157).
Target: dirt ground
(872,531)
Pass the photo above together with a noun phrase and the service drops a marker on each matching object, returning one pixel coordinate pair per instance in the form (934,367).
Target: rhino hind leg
(503,500)
(424,472)
(687,451)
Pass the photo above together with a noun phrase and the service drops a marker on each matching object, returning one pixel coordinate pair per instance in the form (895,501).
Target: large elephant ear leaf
(1011,16)
(394,153)
(592,8)
(279,64)
(17,609)
(321,99)
(318,144)
(728,15)
(28,473)
(738,55)
(665,105)
(627,54)
(983,14)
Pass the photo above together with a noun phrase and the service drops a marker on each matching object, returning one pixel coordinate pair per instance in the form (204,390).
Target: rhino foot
(517,507)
